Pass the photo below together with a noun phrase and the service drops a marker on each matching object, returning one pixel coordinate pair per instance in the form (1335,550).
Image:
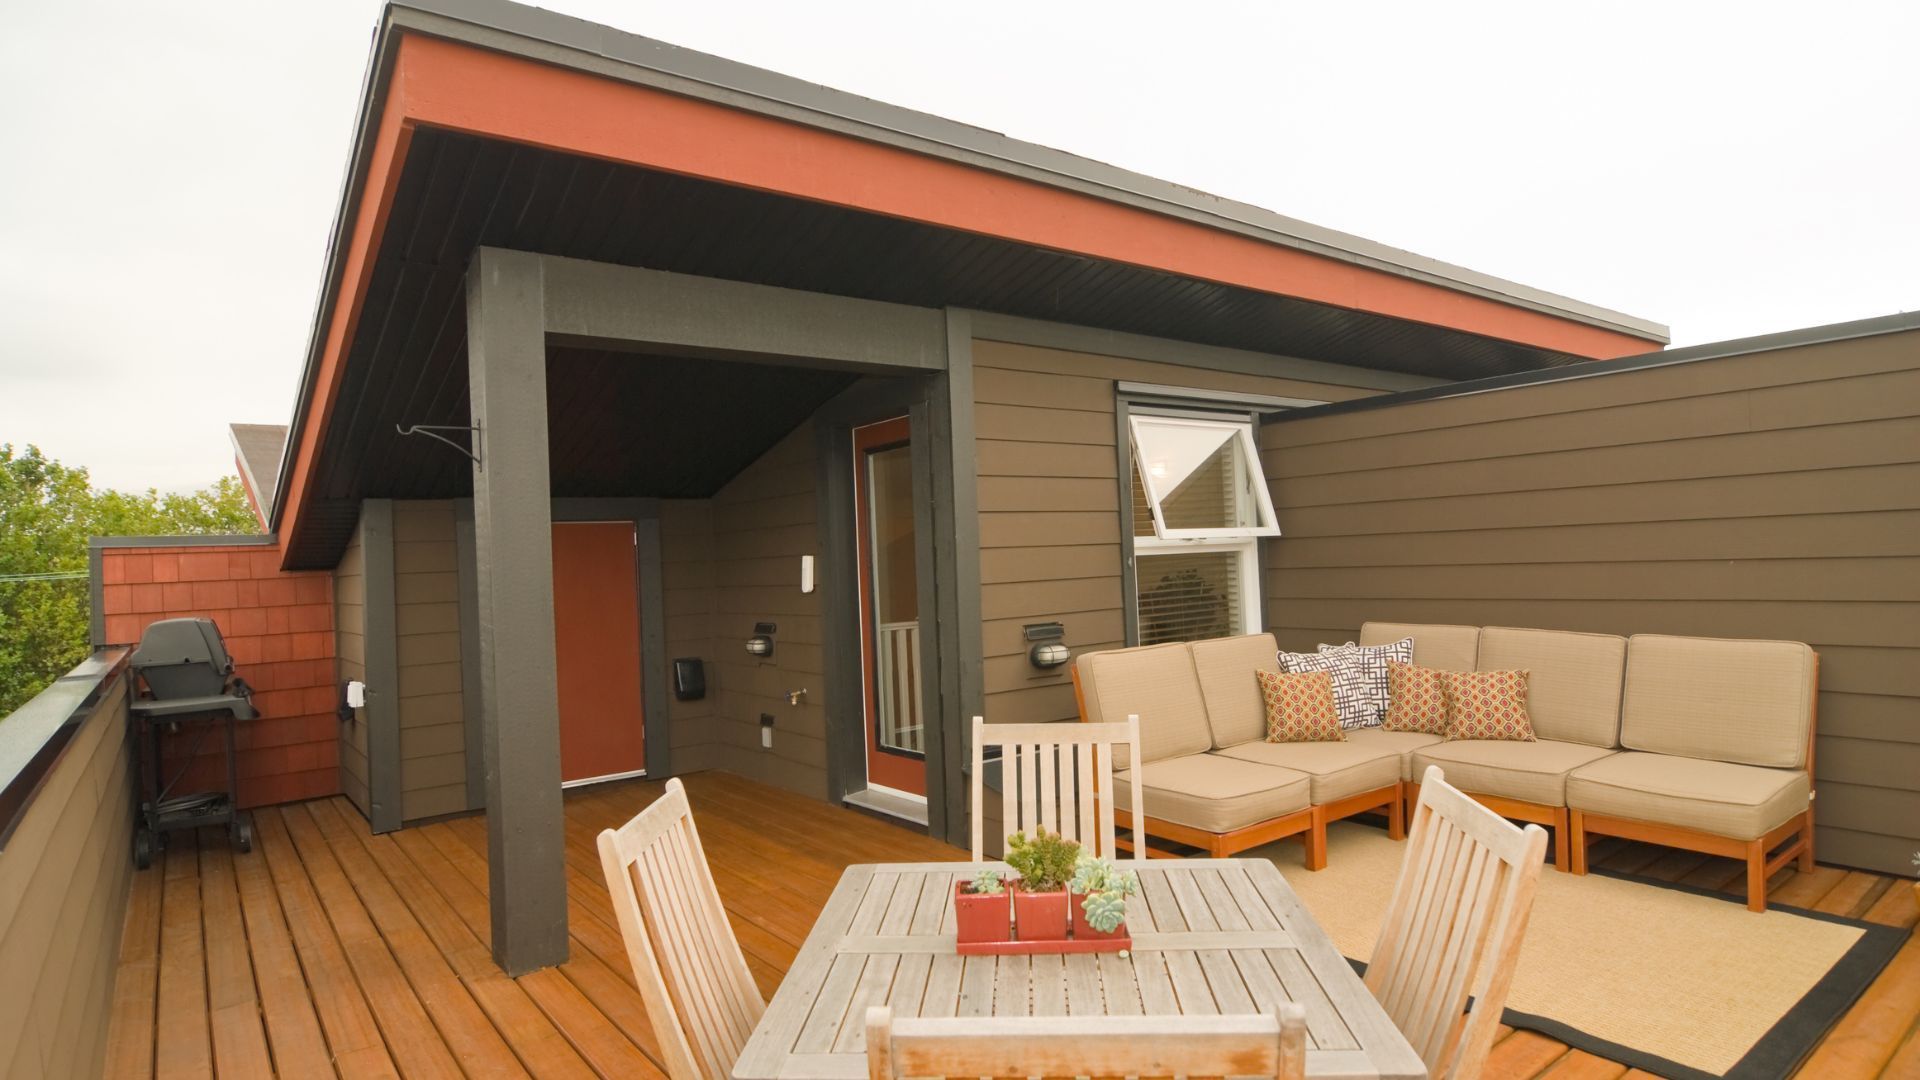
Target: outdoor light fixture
(761,643)
(1047,650)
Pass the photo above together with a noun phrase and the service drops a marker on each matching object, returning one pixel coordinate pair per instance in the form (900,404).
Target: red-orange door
(596,637)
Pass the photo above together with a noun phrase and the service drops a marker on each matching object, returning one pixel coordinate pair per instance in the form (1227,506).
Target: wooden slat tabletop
(1209,936)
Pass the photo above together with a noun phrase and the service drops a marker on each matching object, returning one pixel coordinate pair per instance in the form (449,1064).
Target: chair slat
(1453,927)
(699,994)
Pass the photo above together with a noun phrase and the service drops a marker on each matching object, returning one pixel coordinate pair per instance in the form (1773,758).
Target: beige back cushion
(1435,645)
(1742,701)
(1573,694)
(1225,666)
(1155,682)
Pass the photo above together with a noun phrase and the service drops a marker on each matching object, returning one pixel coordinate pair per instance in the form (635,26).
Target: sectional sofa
(1699,743)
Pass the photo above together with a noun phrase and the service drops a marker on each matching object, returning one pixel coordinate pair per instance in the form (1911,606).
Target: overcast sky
(169,171)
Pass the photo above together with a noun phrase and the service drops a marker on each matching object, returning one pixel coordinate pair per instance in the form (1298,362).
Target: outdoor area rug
(1674,980)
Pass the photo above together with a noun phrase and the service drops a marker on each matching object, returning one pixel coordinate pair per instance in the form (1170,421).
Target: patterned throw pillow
(1487,705)
(1373,670)
(1351,697)
(1416,699)
(1300,707)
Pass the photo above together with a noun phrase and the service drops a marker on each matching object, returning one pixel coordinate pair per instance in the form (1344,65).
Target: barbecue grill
(190,688)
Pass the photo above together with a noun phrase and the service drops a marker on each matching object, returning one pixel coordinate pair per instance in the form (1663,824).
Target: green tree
(48,511)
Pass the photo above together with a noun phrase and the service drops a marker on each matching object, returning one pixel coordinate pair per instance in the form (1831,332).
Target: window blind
(1189,595)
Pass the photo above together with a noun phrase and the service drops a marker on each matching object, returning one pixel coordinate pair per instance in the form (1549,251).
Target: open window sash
(1202,478)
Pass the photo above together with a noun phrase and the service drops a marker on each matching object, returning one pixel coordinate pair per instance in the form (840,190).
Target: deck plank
(286,1002)
(135,984)
(183,1045)
(239,1038)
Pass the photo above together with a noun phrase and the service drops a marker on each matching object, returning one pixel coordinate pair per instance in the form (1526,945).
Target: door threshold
(884,803)
(634,774)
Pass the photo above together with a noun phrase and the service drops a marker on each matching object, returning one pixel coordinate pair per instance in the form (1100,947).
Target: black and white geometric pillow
(1372,661)
(1352,693)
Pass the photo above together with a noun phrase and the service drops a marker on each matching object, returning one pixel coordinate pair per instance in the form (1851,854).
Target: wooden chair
(1272,1045)
(1453,927)
(698,993)
(1056,775)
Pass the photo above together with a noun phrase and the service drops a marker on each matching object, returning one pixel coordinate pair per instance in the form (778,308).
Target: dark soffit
(407,363)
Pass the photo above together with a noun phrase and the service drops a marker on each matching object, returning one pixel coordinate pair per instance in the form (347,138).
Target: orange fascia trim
(369,224)
(458,87)
(449,85)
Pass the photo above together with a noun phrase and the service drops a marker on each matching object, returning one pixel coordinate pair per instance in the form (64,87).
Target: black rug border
(1774,1055)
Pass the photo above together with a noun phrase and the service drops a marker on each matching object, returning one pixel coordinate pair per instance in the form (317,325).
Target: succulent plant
(986,883)
(1044,862)
(1104,889)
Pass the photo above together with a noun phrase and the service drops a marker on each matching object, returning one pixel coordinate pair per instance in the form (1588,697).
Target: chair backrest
(1056,775)
(693,979)
(1435,645)
(1453,927)
(1271,1044)
(1750,702)
(1573,684)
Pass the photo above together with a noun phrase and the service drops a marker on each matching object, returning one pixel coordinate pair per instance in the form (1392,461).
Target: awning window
(1200,479)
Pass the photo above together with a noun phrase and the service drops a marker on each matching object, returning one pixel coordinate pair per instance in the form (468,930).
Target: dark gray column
(382,644)
(513,556)
(956,514)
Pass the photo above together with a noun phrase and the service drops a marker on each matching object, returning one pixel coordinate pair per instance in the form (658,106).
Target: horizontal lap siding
(686,569)
(63,896)
(350,634)
(279,628)
(1773,495)
(1050,544)
(755,530)
(426,587)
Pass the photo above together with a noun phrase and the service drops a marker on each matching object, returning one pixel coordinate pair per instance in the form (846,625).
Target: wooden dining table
(1209,936)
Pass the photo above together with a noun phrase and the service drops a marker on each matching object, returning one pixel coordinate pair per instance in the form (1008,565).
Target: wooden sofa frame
(1759,855)
(1556,818)
(1310,824)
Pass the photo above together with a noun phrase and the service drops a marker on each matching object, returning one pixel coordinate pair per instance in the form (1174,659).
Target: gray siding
(1772,495)
(433,759)
(686,562)
(350,662)
(1050,545)
(63,898)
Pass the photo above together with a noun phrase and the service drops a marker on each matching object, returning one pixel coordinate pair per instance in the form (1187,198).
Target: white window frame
(1250,455)
(1145,548)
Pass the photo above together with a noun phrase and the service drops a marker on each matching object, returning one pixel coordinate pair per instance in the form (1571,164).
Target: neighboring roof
(1692,354)
(257,449)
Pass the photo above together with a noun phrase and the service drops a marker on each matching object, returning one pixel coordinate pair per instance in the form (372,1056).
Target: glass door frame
(896,770)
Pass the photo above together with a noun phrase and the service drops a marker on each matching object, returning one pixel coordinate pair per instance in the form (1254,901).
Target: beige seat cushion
(1225,667)
(1743,802)
(1157,683)
(1435,645)
(1534,772)
(1723,700)
(1213,793)
(1401,743)
(1573,689)
(1338,769)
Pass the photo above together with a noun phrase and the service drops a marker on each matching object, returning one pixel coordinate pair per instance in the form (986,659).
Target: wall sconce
(1047,650)
(761,643)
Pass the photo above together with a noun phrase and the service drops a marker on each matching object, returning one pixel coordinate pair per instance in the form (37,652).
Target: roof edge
(588,46)
(1592,369)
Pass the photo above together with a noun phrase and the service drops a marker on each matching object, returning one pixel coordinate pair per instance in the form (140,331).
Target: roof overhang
(507,72)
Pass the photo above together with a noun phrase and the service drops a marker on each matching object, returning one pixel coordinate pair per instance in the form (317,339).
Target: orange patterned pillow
(1487,705)
(1416,699)
(1300,706)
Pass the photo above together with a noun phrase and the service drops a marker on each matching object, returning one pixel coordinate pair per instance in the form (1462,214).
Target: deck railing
(902,726)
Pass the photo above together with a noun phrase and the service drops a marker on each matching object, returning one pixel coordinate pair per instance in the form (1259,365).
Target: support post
(513,556)
(956,523)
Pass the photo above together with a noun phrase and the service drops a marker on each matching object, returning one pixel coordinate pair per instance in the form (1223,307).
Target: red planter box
(981,917)
(1040,916)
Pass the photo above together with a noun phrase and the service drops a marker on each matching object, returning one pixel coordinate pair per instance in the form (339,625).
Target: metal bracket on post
(432,431)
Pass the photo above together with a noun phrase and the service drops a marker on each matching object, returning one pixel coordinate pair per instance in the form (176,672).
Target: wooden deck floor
(331,951)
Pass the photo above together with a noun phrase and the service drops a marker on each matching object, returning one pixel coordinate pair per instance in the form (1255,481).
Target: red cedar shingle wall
(279,628)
